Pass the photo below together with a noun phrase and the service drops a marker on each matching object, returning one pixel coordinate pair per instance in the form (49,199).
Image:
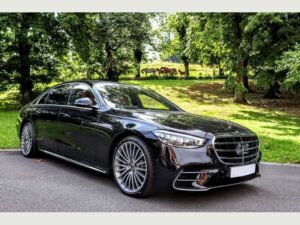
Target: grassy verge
(8,132)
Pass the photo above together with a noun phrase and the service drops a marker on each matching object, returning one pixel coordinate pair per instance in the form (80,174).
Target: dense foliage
(38,48)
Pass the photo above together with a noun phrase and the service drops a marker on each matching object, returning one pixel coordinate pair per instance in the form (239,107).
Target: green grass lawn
(276,122)
(8,132)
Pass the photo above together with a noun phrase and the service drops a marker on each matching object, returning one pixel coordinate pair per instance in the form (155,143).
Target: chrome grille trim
(235,142)
(228,150)
(234,152)
(248,156)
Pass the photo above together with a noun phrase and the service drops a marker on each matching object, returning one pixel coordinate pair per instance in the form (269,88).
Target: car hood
(183,121)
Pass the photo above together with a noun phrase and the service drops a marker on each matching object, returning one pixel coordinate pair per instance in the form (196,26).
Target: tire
(133,167)
(28,141)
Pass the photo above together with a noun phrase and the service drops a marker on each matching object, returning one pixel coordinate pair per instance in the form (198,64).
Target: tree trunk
(138,74)
(246,82)
(221,71)
(246,78)
(110,73)
(239,96)
(186,68)
(138,55)
(214,71)
(273,92)
(24,48)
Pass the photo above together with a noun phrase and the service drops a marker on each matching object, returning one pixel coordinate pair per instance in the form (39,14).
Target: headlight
(179,140)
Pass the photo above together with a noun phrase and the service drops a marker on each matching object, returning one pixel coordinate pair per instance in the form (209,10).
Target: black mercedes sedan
(137,135)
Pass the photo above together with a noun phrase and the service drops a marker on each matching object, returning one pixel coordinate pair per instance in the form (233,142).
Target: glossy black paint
(89,134)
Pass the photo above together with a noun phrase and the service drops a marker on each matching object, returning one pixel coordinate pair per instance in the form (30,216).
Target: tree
(255,41)
(81,29)
(179,24)
(110,42)
(206,42)
(272,34)
(236,39)
(34,42)
(289,63)
(141,36)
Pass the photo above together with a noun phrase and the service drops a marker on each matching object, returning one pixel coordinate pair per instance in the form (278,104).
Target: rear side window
(58,96)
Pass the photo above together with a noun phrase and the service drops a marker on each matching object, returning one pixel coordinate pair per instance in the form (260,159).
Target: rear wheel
(133,167)
(28,145)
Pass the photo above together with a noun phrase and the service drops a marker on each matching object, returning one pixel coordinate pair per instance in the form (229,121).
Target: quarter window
(44,99)
(151,103)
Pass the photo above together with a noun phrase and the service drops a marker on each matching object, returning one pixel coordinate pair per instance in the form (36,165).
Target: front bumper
(201,178)
(199,169)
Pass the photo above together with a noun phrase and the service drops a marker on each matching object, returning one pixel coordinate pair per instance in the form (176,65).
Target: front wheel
(133,167)
(28,145)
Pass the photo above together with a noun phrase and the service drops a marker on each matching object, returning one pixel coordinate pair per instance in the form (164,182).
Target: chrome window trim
(47,92)
(67,105)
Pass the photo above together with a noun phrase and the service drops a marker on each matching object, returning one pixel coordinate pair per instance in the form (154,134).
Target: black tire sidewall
(148,186)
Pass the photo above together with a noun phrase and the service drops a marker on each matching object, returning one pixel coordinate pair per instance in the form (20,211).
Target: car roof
(93,82)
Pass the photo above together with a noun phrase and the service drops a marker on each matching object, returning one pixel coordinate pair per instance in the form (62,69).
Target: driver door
(81,138)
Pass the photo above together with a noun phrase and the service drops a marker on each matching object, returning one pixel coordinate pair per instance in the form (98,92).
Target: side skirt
(74,161)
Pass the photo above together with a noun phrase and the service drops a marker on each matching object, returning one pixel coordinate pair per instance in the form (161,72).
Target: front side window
(57,96)
(82,93)
(130,97)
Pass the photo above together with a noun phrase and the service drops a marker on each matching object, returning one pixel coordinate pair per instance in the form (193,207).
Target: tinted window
(80,92)
(151,103)
(43,100)
(59,95)
(130,97)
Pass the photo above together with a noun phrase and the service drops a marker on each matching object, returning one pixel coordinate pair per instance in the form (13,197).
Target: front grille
(236,149)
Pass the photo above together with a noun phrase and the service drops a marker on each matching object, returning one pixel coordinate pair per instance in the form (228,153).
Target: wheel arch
(117,138)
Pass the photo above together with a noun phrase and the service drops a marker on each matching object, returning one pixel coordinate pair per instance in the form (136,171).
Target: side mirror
(85,102)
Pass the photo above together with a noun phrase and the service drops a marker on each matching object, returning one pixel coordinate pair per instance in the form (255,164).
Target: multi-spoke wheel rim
(26,139)
(130,167)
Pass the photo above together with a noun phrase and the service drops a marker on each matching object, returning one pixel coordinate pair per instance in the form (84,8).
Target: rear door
(45,117)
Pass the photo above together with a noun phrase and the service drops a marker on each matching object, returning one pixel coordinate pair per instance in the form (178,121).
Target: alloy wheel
(130,167)
(26,139)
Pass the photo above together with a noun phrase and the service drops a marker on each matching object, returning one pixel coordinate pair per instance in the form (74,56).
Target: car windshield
(130,97)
